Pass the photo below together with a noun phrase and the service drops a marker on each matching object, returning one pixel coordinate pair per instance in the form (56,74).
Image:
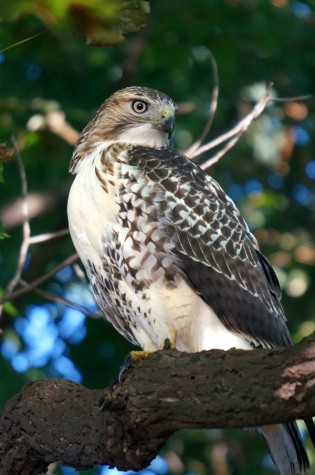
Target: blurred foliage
(100,22)
(270,173)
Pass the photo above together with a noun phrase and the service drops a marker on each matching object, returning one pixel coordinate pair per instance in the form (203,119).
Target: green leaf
(8,306)
(3,234)
(100,22)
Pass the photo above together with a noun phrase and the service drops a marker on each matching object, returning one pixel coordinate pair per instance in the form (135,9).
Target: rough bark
(126,426)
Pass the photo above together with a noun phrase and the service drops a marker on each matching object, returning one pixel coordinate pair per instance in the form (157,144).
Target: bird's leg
(168,344)
(133,356)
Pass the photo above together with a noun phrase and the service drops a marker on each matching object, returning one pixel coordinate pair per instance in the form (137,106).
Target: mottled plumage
(166,251)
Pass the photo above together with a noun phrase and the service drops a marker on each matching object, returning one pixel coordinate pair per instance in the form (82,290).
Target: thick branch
(161,393)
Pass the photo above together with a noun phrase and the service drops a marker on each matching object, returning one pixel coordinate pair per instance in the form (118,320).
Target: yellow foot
(139,355)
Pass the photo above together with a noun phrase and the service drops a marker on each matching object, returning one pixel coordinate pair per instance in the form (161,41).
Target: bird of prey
(166,251)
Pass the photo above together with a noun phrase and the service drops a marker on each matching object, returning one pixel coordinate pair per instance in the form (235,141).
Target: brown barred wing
(215,249)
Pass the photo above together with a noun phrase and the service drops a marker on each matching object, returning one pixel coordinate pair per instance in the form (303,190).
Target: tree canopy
(58,62)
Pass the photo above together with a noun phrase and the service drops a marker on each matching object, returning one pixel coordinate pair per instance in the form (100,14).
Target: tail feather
(286,448)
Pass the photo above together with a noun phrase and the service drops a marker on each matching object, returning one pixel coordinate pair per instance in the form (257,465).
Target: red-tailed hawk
(166,251)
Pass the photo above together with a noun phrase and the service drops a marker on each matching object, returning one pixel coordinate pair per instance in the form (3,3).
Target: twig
(240,128)
(23,41)
(292,99)
(48,236)
(212,110)
(27,241)
(33,285)
(58,125)
(68,303)
(39,203)
(26,228)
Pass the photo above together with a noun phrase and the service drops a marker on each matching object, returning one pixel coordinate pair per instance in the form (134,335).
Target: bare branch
(236,132)
(37,282)
(240,128)
(56,122)
(26,227)
(292,99)
(212,110)
(67,303)
(39,203)
(26,224)
(48,236)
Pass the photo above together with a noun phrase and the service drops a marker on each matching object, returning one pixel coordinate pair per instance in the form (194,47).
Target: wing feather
(215,248)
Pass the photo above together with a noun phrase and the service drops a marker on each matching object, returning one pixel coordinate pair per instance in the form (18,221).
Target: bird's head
(138,115)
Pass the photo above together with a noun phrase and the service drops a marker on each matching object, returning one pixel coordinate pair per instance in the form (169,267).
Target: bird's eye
(139,106)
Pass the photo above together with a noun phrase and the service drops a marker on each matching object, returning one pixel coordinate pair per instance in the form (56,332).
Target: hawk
(166,251)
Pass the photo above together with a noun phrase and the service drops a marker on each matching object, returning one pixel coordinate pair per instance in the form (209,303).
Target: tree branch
(28,287)
(235,133)
(127,425)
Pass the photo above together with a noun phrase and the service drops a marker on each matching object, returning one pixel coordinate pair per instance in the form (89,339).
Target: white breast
(90,211)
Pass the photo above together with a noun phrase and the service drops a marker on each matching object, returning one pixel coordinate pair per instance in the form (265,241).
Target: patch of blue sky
(9,348)
(33,71)
(268,463)
(114,471)
(20,362)
(44,341)
(59,348)
(72,325)
(40,332)
(65,274)
(301,194)
(301,10)
(301,136)
(69,471)
(253,186)
(275,180)
(41,356)
(20,324)
(236,192)
(81,294)
(67,369)
(37,358)
(158,466)
(310,169)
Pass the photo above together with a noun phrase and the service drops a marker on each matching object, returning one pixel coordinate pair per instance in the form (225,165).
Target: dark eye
(139,106)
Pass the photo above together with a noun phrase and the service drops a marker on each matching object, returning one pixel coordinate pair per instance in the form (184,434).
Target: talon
(168,345)
(124,367)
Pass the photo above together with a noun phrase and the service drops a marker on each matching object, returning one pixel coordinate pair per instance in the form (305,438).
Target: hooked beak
(166,122)
(167,125)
